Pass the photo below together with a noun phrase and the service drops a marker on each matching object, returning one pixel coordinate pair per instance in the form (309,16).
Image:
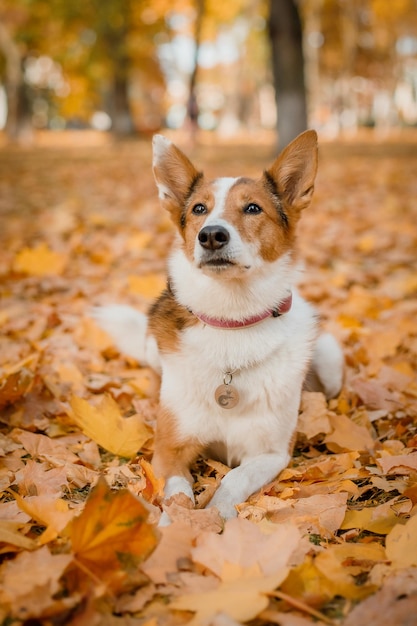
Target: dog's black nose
(213,237)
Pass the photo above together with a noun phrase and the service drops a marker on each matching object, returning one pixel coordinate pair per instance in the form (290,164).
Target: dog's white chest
(264,366)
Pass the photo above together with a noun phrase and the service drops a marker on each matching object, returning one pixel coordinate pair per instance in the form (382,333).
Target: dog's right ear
(175,175)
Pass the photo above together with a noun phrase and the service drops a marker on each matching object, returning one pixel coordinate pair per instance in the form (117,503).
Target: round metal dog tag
(226,396)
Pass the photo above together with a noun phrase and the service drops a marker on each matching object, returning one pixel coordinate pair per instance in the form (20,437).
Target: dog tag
(226,396)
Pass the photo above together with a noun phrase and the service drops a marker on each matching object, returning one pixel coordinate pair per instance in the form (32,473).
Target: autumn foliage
(334,538)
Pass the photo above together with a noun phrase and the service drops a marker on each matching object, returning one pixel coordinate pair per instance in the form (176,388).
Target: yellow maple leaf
(39,261)
(106,426)
(112,534)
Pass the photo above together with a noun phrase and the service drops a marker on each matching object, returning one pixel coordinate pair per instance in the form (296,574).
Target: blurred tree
(13,78)
(285,33)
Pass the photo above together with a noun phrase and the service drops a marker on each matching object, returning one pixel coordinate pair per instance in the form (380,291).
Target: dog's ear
(175,175)
(294,171)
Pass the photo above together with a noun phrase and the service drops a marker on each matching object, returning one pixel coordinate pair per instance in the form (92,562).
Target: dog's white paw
(223,504)
(164,520)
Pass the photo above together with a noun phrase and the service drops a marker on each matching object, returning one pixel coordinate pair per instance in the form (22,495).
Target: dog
(232,338)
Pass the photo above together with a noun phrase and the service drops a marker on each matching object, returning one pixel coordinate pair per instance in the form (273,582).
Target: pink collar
(283,307)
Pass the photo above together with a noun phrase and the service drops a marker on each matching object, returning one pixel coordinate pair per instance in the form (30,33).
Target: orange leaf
(111,535)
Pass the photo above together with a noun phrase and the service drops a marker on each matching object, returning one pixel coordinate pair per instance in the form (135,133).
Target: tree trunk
(121,115)
(191,118)
(285,34)
(14,86)
(116,35)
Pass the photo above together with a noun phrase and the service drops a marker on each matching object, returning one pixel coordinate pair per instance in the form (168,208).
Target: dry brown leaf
(241,595)
(347,435)
(30,580)
(399,464)
(273,550)
(313,419)
(180,509)
(321,514)
(15,385)
(394,604)
(48,511)
(44,448)
(11,536)
(36,479)
(174,547)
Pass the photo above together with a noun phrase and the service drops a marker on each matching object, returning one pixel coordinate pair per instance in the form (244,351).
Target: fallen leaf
(401,544)
(48,511)
(39,261)
(174,547)
(313,419)
(272,553)
(112,534)
(10,534)
(341,563)
(347,435)
(30,580)
(36,479)
(106,426)
(322,514)
(379,519)
(394,604)
(399,464)
(242,596)
(44,448)
(15,385)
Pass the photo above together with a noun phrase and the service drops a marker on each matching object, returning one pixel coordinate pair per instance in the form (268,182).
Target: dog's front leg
(244,480)
(172,459)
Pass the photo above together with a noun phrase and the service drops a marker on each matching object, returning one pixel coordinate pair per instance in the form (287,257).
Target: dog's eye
(253,209)
(199,209)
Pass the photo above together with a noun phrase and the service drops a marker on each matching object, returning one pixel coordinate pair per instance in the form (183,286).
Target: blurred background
(135,66)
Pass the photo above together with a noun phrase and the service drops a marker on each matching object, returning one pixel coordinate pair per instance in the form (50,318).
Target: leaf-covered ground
(334,538)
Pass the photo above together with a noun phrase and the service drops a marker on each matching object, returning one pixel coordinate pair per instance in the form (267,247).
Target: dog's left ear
(294,171)
(175,175)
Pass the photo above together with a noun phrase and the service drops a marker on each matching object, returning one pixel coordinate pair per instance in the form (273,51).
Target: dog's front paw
(223,504)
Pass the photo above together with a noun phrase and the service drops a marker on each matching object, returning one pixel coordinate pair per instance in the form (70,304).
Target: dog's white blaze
(245,255)
(222,187)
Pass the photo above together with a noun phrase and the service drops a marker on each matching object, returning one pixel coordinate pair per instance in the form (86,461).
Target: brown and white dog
(233,340)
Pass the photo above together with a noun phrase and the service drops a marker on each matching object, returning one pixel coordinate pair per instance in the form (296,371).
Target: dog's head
(231,226)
